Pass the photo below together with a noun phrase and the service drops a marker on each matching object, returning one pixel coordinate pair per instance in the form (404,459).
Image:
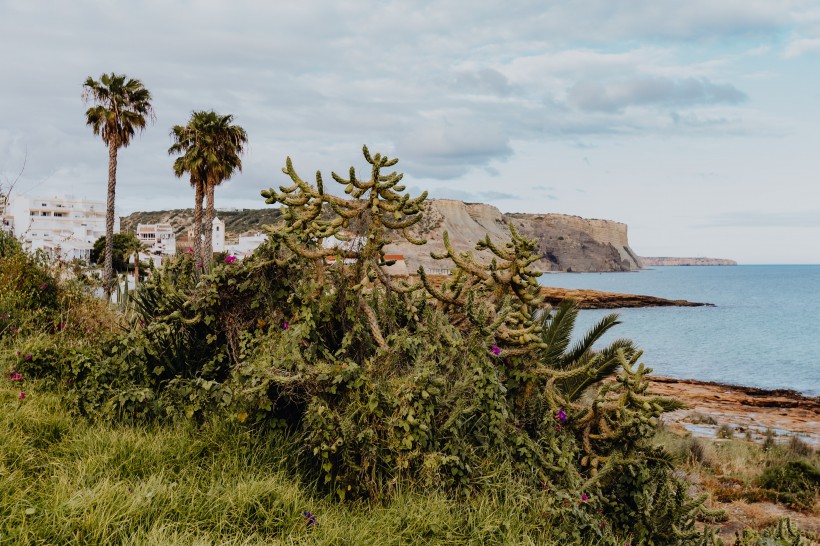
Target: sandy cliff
(566,243)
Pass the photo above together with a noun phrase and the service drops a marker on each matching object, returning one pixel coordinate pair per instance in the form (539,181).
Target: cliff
(662,261)
(566,243)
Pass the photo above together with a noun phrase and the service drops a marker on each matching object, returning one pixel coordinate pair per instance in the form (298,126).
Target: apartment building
(158,239)
(62,226)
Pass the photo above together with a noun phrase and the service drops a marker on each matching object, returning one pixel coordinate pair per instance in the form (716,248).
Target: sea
(763,331)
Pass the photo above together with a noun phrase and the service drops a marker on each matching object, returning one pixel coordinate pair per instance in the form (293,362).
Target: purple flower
(230,259)
(285,325)
(584,497)
(496,350)
(561,416)
(311,519)
(42,287)
(22,396)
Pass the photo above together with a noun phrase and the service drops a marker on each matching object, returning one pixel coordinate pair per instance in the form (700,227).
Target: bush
(393,386)
(796,483)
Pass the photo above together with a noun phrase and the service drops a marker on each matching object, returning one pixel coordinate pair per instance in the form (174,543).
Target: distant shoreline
(660,261)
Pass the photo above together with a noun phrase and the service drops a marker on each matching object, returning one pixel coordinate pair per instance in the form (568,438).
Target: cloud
(651,91)
(802,46)
(487,81)
(446,145)
(305,80)
(497,195)
(801,219)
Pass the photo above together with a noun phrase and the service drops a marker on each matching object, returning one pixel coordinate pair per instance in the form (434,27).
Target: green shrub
(392,386)
(796,483)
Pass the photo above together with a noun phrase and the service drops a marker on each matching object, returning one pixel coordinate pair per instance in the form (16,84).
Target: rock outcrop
(663,261)
(566,243)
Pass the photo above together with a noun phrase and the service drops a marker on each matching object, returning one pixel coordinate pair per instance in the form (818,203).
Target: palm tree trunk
(108,264)
(209,226)
(200,194)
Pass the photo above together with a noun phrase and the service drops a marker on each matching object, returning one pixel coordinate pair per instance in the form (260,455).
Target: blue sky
(695,122)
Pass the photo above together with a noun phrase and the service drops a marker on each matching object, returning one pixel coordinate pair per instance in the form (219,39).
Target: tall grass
(67,481)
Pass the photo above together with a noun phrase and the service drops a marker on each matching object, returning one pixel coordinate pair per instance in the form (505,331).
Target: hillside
(236,221)
(566,243)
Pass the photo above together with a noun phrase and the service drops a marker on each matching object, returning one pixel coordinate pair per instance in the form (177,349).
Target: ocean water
(764,330)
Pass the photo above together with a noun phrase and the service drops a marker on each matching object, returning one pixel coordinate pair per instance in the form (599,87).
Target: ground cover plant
(303,386)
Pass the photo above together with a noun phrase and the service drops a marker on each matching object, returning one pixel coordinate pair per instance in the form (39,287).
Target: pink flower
(496,350)
(190,250)
(584,497)
(285,325)
(230,259)
(42,287)
(16,377)
(28,357)
(199,264)
(22,396)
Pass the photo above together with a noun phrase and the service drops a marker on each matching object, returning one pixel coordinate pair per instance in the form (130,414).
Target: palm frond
(557,327)
(593,335)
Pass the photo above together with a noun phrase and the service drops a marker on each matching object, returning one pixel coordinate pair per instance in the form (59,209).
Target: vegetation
(182,220)
(211,147)
(124,246)
(120,107)
(302,395)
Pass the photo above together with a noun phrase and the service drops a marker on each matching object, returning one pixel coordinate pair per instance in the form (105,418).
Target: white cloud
(802,46)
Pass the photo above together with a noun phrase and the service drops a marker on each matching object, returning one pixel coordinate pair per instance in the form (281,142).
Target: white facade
(217,235)
(246,245)
(157,238)
(64,226)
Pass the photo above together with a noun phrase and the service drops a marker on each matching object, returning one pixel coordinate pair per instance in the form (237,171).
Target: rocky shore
(784,412)
(594,299)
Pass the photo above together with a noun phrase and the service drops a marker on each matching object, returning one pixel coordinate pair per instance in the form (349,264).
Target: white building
(157,238)
(246,245)
(64,226)
(217,235)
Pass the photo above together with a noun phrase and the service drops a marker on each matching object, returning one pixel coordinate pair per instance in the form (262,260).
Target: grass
(67,481)
(736,469)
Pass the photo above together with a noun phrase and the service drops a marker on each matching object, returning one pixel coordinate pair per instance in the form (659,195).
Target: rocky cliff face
(661,261)
(566,243)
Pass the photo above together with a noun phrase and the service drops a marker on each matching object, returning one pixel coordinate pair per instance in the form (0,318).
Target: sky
(695,122)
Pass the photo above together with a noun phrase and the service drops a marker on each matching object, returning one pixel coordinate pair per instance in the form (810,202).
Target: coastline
(786,412)
(591,299)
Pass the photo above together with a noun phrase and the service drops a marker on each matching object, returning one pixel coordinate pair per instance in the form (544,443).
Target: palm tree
(188,140)
(211,148)
(592,365)
(121,106)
